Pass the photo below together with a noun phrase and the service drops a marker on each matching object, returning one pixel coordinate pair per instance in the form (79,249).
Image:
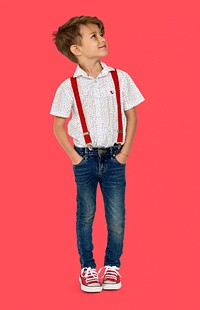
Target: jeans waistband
(96,151)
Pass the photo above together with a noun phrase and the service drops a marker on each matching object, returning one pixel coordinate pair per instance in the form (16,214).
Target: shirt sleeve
(130,94)
(62,101)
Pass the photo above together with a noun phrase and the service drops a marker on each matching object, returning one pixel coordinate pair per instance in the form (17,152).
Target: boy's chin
(105,53)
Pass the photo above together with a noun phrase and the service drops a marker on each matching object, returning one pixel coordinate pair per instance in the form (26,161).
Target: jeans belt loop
(86,151)
(111,151)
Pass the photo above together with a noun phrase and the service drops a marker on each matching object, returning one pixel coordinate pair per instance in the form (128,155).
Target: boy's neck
(92,68)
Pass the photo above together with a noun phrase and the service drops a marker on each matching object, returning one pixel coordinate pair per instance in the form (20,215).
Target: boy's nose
(102,39)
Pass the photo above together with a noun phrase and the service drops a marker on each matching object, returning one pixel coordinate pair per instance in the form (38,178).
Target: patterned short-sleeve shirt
(99,105)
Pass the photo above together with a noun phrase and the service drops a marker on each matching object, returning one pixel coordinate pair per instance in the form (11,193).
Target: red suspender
(80,110)
(120,127)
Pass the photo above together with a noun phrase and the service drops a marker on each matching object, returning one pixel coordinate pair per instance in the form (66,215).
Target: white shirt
(99,104)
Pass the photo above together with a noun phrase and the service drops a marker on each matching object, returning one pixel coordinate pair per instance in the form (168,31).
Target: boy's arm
(60,133)
(131,125)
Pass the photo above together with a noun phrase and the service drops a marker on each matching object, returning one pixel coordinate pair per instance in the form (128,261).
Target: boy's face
(93,44)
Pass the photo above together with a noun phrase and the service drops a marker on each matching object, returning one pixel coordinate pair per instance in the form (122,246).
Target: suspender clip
(119,145)
(89,146)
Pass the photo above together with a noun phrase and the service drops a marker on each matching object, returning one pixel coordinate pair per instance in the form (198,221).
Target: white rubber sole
(111,286)
(90,289)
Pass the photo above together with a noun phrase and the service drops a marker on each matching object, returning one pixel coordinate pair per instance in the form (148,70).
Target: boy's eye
(94,35)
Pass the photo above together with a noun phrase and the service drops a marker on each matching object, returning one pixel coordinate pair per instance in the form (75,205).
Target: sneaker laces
(90,274)
(111,272)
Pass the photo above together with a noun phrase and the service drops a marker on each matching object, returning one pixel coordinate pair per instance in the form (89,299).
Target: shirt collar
(106,69)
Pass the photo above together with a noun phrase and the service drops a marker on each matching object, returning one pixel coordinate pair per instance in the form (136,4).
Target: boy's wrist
(74,155)
(123,154)
(76,159)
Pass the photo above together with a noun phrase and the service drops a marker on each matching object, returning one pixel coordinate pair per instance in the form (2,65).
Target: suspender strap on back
(120,126)
(80,111)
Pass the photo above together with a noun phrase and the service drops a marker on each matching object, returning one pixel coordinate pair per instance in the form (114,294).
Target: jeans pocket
(118,161)
(79,164)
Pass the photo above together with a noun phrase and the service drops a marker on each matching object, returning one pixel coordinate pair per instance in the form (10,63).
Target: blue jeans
(99,165)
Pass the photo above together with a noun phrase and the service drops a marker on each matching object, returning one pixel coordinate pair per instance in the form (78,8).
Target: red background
(158,45)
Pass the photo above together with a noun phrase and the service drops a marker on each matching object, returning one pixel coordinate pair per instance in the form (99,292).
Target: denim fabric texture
(99,166)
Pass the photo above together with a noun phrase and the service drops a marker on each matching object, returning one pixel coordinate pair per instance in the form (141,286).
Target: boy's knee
(87,218)
(117,228)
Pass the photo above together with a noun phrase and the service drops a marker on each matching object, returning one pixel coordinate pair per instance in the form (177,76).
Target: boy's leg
(113,186)
(86,206)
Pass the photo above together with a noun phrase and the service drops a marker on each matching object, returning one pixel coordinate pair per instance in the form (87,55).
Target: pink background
(158,45)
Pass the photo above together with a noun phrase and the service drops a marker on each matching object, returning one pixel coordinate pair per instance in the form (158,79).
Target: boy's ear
(75,49)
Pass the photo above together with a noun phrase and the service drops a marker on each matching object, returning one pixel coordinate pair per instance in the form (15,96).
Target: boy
(102,101)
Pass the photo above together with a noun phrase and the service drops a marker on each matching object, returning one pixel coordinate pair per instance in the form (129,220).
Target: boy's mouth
(102,46)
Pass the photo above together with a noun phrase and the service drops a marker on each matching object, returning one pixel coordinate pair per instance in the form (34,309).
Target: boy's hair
(69,34)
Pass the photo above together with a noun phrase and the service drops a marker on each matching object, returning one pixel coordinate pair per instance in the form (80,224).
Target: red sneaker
(111,278)
(89,280)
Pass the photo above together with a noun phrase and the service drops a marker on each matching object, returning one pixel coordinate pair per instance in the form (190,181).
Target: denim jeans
(99,165)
